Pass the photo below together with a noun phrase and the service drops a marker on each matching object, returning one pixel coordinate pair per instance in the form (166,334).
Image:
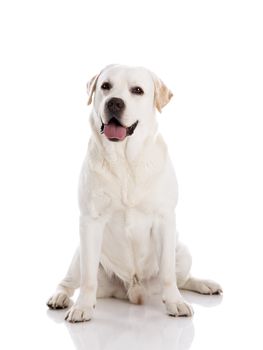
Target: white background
(210,54)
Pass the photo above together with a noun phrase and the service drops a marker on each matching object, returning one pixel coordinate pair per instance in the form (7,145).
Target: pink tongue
(113,131)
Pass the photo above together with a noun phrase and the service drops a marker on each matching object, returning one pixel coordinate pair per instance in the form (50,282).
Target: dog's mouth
(115,131)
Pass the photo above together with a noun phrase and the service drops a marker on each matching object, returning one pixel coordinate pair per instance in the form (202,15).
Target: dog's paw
(209,287)
(179,309)
(79,314)
(58,301)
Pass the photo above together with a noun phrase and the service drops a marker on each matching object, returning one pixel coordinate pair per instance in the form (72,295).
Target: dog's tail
(136,291)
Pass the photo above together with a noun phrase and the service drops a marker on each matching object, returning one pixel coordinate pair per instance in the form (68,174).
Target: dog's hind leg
(186,281)
(65,289)
(183,264)
(202,286)
(110,286)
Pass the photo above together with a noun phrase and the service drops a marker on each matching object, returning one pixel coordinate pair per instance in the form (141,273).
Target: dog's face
(125,99)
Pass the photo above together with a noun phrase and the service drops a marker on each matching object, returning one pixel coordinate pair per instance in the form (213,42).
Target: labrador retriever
(127,197)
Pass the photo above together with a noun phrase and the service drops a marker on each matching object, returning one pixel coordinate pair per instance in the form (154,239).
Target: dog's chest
(134,187)
(128,245)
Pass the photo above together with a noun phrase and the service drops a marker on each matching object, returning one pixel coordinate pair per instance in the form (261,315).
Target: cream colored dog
(127,198)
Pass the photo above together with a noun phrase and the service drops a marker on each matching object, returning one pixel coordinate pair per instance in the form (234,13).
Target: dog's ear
(91,86)
(162,94)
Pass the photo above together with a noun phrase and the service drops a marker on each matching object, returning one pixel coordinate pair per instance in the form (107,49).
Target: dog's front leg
(175,303)
(91,232)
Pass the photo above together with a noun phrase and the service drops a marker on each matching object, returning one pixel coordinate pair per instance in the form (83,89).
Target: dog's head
(125,99)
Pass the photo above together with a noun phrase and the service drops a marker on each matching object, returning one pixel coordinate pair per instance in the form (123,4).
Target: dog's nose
(115,106)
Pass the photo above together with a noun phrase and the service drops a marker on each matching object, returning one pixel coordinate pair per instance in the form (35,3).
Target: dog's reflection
(139,327)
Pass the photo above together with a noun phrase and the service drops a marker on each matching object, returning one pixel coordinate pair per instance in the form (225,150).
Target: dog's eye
(106,86)
(137,90)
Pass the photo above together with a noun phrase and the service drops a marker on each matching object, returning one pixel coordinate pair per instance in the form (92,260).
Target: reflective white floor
(120,325)
(220,322)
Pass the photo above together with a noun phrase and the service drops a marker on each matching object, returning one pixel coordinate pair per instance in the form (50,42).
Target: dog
(129,246)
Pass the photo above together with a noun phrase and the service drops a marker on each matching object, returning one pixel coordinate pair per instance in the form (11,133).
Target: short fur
(127,198)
